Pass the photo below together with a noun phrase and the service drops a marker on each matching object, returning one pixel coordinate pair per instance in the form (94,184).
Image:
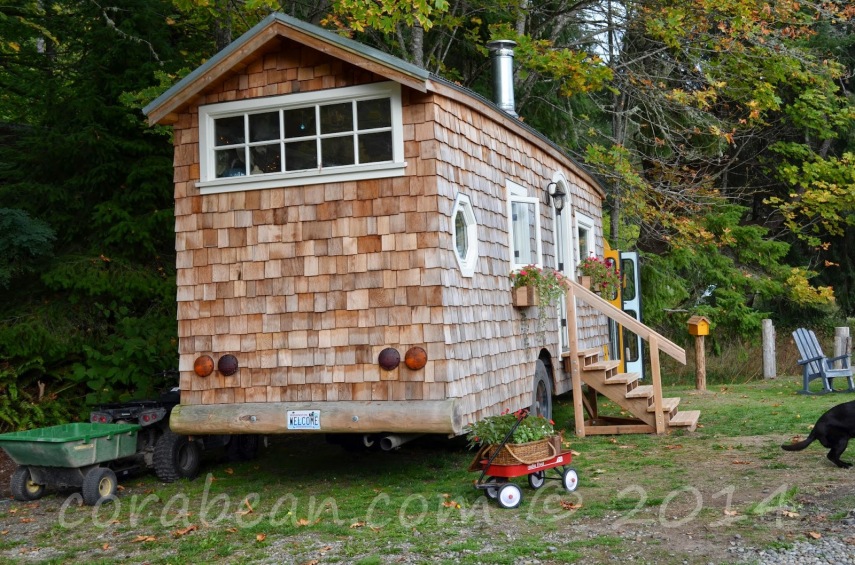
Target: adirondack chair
(815,365)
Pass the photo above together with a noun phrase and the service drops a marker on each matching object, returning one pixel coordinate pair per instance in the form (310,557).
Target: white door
(631,304)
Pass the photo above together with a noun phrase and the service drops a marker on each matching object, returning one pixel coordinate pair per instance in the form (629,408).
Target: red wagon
(495,478)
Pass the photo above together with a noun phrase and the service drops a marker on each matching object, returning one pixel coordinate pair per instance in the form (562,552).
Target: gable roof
(234,57)
(269,30)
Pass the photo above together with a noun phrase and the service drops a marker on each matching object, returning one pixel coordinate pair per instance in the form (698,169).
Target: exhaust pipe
(394,441)
(502,56)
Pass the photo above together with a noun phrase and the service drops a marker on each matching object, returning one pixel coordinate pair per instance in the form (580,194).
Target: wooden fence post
(842,344)
(770,370)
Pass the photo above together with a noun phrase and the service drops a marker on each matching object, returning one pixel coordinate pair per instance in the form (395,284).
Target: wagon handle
(521,414)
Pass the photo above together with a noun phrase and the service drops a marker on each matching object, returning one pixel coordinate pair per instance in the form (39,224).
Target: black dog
(833,430)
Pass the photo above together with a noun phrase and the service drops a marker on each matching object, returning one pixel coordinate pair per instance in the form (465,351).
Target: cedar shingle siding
(306,285)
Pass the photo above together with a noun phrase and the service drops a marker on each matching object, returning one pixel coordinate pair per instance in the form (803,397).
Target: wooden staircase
(625,390)
(652,413)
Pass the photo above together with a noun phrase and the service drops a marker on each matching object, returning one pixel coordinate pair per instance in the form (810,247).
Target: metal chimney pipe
(502,56)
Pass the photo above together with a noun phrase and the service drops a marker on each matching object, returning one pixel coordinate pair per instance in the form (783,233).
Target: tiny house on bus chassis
(346,224)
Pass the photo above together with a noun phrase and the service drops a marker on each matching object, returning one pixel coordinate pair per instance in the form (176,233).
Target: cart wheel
(99,484)
(22,486)
(541,398)
(493,492)
(536,479)
(510,496)
(176,457)
(570,479)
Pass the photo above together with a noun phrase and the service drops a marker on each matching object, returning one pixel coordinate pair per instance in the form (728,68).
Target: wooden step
(602,366)
(589,357)
(668,404)
(641,391)
(623,378)
(686,419)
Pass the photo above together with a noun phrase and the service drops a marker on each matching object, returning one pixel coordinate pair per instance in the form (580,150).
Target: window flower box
(525,296)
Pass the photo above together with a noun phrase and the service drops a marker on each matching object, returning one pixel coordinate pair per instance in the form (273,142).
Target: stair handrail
(656,341)
(606,308)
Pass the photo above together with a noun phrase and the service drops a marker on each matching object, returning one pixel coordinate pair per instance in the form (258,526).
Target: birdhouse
(699,325)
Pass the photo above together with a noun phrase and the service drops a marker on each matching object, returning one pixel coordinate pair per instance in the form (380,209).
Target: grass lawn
(686,497)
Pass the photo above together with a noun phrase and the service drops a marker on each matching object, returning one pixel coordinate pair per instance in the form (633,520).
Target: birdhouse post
(699,326)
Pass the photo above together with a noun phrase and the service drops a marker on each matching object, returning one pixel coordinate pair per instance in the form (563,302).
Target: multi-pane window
(327,132)
(298,139)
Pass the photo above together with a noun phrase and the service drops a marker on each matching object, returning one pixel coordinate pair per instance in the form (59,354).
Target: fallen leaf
(302,522)
(120,487)
(450,504)
(738,462)
(230,471)
(599,471)
(575,453)
(260,537)
(184,531)
(231,530)
(27,520)
(730,512)
(674,446)
(815,535)
(850,541)
(139,539)
(311,562)
(13,511)
(248,508)
(357,524)
(105,547)
(4,532)
(569,505)
(790,514)
(627,446)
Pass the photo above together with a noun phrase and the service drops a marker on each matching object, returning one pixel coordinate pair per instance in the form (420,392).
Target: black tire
(244,447)
(541,396)
(509,496)
(570,479)
(537,479)
(22,486)
(492,492)
(99,484)
(176,457)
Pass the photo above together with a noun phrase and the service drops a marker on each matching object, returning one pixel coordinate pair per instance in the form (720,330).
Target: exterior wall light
(557,194)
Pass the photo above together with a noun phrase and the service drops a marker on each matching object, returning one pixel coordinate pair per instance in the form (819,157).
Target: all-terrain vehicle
(172,456)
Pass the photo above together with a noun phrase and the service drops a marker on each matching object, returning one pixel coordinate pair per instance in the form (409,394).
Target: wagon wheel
(570,479)
(541,398)
(493,492)
(510,496)
(537,479)
(99,484)
(176,457)
(22,486)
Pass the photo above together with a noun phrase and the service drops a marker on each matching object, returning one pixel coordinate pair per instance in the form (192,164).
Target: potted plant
(533,439)
(534,286)
(605,276)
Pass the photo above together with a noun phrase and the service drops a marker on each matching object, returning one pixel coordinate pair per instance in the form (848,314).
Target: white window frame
(463,205)
(565,254)
(586,223)
(517,193)
(209,183)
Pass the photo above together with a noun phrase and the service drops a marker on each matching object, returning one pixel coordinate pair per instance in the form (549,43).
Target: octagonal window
(465,232)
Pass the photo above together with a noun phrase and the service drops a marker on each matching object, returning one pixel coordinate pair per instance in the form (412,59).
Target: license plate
(304,419)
